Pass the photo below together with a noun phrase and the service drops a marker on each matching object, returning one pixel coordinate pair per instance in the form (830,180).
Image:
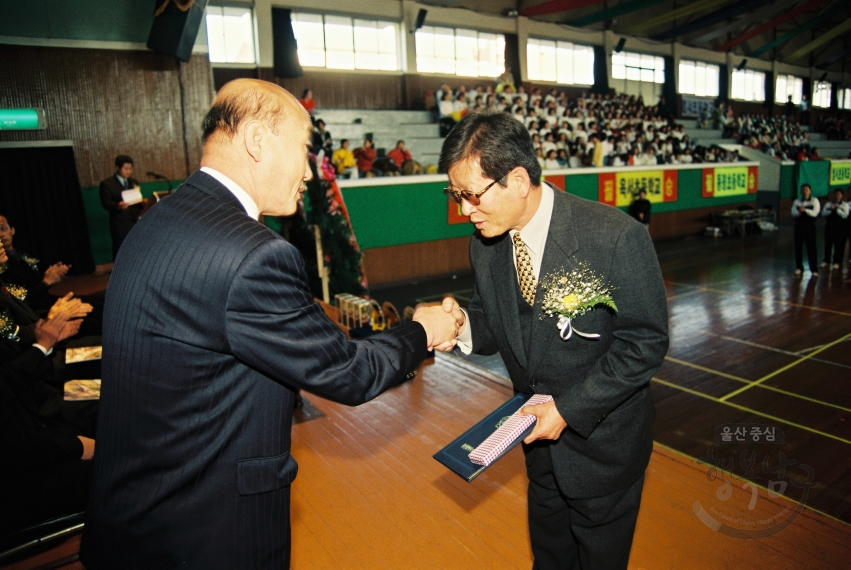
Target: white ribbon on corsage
(566,329)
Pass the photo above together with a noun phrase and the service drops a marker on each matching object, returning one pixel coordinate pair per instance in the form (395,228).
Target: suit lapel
(506,299)
(560,246)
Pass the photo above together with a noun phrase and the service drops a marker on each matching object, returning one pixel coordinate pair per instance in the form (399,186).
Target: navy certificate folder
(455,455)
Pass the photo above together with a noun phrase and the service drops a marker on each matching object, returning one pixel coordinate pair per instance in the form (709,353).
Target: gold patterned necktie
(525,270)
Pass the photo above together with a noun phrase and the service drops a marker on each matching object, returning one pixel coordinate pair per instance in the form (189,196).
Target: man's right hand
(441,327)
(122,205)
(451,306)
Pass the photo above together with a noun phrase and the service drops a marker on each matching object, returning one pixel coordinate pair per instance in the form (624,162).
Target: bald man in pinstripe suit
(209,328)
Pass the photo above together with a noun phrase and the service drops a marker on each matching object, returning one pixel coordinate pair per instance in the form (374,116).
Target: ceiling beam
(762,14)
(699,6)
(772,24)
(836,58)
(611,13)
(556,6)
(712,18)
(791,34)
(820,41)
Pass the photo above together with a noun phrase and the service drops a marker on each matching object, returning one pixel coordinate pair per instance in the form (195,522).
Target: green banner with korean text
(722,182)
(840,173)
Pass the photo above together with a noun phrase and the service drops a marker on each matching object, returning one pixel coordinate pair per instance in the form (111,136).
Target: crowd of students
(591,130)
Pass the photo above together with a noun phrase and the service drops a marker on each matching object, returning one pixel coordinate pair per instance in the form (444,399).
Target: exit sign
(22,119)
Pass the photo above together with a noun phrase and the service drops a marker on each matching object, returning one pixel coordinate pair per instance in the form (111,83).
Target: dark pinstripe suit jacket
(600,386)
(209,326)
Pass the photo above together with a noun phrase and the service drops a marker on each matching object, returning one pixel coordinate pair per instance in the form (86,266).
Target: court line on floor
(778,350)
(686,294)
(749,410)
(779,301)
(806,506)
(784,368)
(764,387)
(759,297)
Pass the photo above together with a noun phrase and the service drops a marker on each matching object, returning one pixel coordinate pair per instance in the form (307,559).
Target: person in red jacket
(399,154)
(365,156)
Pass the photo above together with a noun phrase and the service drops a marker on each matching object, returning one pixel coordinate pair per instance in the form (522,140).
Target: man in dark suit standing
(587,454)
(122,216)
(209,329)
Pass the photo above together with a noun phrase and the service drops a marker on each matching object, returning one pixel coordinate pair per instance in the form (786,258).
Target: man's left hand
(550,424)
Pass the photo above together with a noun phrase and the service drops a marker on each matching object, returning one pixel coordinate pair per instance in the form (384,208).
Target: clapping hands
(70,308)
(55,273)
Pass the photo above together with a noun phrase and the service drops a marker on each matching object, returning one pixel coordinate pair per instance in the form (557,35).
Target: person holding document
(210,328)
(590,446)
(122,215)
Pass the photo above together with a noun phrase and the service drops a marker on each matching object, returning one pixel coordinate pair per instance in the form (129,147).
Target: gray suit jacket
(209,327)
(600,386)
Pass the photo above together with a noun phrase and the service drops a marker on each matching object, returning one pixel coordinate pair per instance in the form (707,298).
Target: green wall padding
(400,213)
(409,212)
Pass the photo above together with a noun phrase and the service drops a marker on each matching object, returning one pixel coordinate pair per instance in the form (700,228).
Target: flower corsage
(572,294)
(31,261)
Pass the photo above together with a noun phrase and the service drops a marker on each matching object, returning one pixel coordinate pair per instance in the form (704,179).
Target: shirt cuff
(465,339)
(46,351)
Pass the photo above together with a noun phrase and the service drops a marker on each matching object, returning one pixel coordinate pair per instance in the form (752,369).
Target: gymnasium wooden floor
(750,344)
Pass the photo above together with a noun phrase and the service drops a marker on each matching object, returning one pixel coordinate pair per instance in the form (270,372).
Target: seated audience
(365,158)
(399,155)
(344,161)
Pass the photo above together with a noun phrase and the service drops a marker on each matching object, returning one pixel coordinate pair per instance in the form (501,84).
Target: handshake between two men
(443,322)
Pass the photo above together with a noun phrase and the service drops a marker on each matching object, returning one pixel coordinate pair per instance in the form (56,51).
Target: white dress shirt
(250,207)
(534,235)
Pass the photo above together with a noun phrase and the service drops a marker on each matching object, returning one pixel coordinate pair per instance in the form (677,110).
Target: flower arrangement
(31,261)
(570,295)
(19,293)
(8,328)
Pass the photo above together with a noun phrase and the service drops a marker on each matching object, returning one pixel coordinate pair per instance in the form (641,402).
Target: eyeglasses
(471,197)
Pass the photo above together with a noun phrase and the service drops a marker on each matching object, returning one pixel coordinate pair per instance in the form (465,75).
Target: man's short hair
(399,141)
(228,112)
(806,186)
(122,159)
(499,141)
(344,141)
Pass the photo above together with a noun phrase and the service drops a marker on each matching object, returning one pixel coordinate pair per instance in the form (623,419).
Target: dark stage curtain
(601,72)
(512,57)
(669,88)
(769,91)
(40,192)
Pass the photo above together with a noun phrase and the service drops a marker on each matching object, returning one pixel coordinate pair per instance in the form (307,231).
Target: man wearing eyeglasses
(587,454)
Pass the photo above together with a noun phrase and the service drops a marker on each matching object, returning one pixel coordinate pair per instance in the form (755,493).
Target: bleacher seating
(417,128)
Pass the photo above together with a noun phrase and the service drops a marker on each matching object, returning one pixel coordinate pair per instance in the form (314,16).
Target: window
(560,62)
(821,94)
(639,74)
(787,85)
(843,98)
(748,85)
(230,34)
(698,78)
(340,42)
(638,67)
(456,51)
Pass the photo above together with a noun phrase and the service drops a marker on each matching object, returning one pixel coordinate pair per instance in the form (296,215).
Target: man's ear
(253,137)
(520,178)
